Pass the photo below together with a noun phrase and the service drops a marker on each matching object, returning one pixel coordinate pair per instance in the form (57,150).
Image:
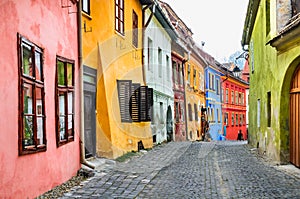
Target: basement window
(32,133)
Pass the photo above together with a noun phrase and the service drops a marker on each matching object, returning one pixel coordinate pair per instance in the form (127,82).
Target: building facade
(274,76)
(112,46)
(233,107)
(40,132)
(179,58)
(158,34)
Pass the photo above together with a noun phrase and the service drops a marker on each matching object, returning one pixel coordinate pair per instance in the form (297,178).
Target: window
(119,16)
(258,113)
(237,119)
(86,6)
(236,98)
(267,17)
(196,112)
(64,100)
(189,74)
(218,116)
(32,134)
(217,87)
(180,73)
(226,95)
(226,119)
(190,112)
(150,53)
(161,107)
(175,77)
(195,79)
(232,97)
(159,62)
(135,31)
(232,119)
(269,108)
(135,101)
(168,67)
(177,111)
(295,7)
(243,99)
(212,115)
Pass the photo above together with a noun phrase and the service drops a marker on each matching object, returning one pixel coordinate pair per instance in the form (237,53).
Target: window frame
(88,11)
(35,83)
(65,89)
(119,16)
(135,31)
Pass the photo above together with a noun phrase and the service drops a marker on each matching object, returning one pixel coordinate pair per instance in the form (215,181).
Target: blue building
(213,96)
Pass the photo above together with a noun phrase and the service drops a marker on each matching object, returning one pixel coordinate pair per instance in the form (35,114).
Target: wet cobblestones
(192,170)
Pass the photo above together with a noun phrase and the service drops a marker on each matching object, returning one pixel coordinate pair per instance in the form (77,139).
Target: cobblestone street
(192,170)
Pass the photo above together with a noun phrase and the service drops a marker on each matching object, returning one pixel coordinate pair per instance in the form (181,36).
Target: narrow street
(192,170)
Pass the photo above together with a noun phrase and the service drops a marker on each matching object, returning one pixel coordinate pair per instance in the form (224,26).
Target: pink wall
(49,26)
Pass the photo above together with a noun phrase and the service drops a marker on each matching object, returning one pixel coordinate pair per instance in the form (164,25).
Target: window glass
(27,62)
(70,74)
(61,73)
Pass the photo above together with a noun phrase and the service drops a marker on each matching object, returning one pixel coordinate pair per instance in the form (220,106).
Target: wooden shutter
(150,103)
(124,93)
(134,105)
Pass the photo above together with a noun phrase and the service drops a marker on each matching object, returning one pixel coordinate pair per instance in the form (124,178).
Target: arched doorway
(295,118)
(169,125)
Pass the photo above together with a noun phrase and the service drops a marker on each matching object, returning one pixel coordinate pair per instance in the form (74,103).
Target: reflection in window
(32,123)
(65,100)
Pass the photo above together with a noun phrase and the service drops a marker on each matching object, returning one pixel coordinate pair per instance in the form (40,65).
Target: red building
(234,106)
(40,123)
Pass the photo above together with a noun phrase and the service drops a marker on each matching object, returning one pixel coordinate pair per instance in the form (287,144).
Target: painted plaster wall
(115,58)
(49,26)
(272,73)
(194,95)
(213,101)
(161,83)
(231,84)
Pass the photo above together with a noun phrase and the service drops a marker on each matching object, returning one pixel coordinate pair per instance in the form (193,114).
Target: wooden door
(89,92)
(295,119)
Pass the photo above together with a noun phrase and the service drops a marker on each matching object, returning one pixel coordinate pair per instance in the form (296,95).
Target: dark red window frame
(64,83)
(32,120)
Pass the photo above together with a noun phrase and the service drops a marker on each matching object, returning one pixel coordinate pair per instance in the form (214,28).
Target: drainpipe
(81,141)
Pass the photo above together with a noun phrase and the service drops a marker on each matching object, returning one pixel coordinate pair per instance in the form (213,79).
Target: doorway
(169,125)
(295,118)
(89,92)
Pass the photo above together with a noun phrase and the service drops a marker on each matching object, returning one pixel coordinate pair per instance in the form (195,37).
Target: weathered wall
(49,26)
(115,58)
(158,75)
(272,73)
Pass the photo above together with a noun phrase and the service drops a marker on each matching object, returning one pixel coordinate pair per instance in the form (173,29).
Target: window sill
(89,17)
(32,149)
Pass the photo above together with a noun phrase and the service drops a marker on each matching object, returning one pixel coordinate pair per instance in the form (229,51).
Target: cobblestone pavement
(192,170)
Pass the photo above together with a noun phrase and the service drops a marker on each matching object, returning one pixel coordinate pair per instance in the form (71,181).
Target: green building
(271,36)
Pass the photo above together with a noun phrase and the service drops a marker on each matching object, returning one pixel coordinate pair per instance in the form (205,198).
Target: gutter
(81,141)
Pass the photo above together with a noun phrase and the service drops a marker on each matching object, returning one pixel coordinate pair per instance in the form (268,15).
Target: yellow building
(113,81)
(195,95)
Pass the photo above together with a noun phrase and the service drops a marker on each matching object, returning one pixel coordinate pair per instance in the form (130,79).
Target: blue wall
(213,101)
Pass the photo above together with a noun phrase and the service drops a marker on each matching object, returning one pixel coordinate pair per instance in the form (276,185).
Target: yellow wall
(115,58)
(194,95)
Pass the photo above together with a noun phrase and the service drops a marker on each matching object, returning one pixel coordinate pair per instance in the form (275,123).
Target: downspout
(81,141)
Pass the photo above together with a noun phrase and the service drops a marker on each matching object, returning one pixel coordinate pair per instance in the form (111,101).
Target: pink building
(39,80)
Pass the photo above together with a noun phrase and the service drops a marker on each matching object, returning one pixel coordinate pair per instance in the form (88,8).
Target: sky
(219,23)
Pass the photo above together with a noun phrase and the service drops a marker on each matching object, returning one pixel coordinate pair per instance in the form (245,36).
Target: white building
(158,34)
